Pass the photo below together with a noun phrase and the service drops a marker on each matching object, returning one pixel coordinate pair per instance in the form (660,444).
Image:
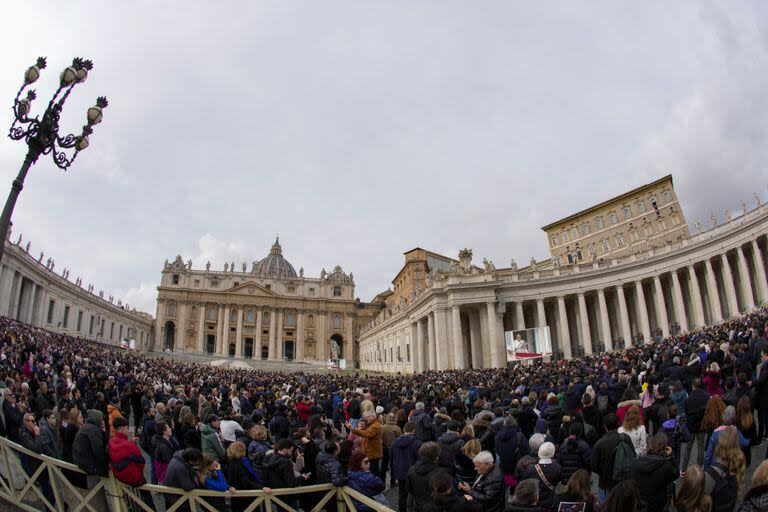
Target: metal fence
(35,482)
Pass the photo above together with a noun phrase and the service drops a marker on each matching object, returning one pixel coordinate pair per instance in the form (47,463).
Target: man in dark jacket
(450,443)
(602,456)
(655,473)
(29,438)
(278,470)
(488,489)
(181,473)
(14,416)
(89,450)
(421,473)
(329,470)
(526,417)
(510,445)
(761,396)
(695,406)
(402,455)
(423,423)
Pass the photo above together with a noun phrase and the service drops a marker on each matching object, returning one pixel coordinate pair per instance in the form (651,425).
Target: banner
(528,343)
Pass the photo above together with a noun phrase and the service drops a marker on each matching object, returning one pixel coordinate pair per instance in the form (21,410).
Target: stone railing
(35,482)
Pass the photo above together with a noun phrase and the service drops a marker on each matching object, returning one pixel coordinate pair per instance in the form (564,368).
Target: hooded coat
(89,450)
(653,475)
(211,444)
(449,443)
(510,445)
(180,475)
(418,479)
(402,455)
(329,470)
(278,472)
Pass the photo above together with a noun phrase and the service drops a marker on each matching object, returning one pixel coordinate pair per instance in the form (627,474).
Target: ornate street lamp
(42,135)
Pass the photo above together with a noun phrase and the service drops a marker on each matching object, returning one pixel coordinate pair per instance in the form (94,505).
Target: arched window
(212,312)
(171,309)
(310,321)
(336,321)
(233,316)
(290,319)
(265,318)
(249,316)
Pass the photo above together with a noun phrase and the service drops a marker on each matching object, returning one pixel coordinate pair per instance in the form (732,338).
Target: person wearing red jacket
(304,409)
(125,457)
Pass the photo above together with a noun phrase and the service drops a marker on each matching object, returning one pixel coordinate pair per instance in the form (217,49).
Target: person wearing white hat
(547,472)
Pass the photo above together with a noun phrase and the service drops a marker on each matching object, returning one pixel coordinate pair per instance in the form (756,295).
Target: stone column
(698,305)
(585,333)
(562,328)
(661,306)
(279,334)
(322,336)
(730,286)
(541,315)
(432,341)
(5,287)
(762,284)
(417,339)
(458,341)
(239,333)
(626,330)
(496,337)
(220,342)
(349,340)
(642,312)
(272,334)
(257,337)
(225,336)
(441,339)
(299,335)
(605,322)
(519,316)
(475,338)
(714,296)
(746,282)
(679,304)
(201,328)
(181,326)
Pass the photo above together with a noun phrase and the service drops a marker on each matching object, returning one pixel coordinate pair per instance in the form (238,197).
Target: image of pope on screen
(527,343)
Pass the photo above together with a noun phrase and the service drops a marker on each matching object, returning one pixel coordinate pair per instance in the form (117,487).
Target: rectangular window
(565,236)
(627,213)
(112,331)
(574,233)
(640,207)
(578,255)
(408,352)
(249,316)
(290,289)
(606,245)
(65,318)
(90,325)
(212,313)
(268,286)
(175,279)
(51,306)
(197,282)
(585,229)
(214,283)
(79,321)
(648,230)
(121,332)
(619,240)
(554,240)
(599,223)
(391,357)
(613,218)
(667,196)
(675,220)
(634,236)
(337,291)
(311,291)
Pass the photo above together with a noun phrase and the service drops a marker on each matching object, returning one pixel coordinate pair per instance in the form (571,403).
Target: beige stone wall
(630,224)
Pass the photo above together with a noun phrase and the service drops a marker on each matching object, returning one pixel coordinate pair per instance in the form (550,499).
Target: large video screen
(528,343)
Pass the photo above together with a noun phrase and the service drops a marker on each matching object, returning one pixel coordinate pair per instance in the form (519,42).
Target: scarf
(247,463)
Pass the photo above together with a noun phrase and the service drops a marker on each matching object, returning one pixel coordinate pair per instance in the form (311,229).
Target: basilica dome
(274,265)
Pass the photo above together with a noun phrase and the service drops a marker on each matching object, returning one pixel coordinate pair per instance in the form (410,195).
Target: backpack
(622,458)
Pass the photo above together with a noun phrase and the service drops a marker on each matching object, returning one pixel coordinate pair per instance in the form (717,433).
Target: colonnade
(594,313)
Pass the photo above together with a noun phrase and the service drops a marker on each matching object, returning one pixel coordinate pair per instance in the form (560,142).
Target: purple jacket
(402,455)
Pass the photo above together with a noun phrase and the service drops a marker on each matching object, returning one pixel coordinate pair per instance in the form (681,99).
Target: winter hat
(546,451)
(379,409)
(541,426)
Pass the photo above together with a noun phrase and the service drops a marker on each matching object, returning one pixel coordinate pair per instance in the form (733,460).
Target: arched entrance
(339,339)
(231,351)
(210,344)
(170,335)
(288,350)
(264,352)
(248,348)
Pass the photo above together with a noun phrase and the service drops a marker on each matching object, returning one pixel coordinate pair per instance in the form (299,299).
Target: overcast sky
(358,130)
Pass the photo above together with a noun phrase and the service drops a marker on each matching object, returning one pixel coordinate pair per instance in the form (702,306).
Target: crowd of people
(670,426)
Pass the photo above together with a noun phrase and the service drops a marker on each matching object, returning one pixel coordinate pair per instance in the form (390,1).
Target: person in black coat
(547,472)
(278,469)
(510,445)
(574,453)
(526,498)
(422,472)
(14,416)
(241,475)
(602,454)
(445,499)
(450,443)
(488,490)
(182,473)
(761,396)
(526,417)
(89,450)
(655,473)
(695,406)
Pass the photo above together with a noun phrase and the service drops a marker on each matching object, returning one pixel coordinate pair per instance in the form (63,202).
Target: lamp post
(42,135)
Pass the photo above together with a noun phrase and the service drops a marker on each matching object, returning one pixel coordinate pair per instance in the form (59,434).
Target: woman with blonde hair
(756,499)
(691,496)
(724,479)
(634,428)
(465,467)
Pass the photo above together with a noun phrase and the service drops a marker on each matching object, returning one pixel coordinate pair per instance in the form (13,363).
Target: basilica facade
(266,311)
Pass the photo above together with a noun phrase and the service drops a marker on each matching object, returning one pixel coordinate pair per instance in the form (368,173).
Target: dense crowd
(664,427)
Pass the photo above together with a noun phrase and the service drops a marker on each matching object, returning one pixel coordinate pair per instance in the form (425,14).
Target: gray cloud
(358,130)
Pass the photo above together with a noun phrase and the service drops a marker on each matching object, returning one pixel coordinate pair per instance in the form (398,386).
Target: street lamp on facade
(42,135)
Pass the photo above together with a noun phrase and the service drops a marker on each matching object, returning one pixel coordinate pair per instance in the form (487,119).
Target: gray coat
(51,446)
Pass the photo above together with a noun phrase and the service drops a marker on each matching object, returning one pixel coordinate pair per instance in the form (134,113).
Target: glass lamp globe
(68,76)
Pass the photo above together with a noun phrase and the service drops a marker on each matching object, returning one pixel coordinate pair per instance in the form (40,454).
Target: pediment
(251,289)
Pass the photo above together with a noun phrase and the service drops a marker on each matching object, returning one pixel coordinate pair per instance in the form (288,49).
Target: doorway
(288,347)
(210,344)
(264,352)
(170,335)
(248,348)
(231,351)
